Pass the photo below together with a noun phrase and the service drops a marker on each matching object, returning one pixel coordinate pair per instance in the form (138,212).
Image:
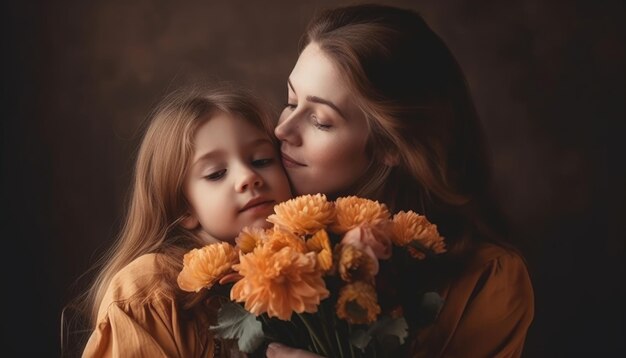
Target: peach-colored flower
(277,239)
(279,283)
(377,238)
(320,244)
(205,266)
(305,214)
(249,238)
(358,303)
(410,226)
(352,211)
(356,262)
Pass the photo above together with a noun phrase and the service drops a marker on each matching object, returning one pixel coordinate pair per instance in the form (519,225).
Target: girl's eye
(291,106)
(259,163)
(217,175)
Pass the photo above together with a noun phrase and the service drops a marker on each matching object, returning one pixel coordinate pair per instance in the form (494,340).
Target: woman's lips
(290,162)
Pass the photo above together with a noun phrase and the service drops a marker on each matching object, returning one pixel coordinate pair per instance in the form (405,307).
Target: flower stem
(349,342)
(324,316)
(315,338)
(339,343)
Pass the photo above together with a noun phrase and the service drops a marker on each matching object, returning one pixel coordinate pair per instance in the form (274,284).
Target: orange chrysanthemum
(279,283)
(409,226)
(277,239)
(320,244)
(352,211)
(358,303)
(205,266)
(305,214)
(249,238)
(356,264)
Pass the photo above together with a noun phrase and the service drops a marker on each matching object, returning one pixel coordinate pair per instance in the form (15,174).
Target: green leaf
(430,306)
(387,326)
(234,322)
(382,329)
(360,338)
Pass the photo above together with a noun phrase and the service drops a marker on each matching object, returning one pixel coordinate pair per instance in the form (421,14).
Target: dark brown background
(80,76)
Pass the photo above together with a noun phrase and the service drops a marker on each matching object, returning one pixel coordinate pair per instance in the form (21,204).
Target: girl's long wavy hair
(420,115)
(157,204)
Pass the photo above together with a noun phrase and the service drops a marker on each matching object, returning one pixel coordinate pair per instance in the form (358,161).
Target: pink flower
(374,237)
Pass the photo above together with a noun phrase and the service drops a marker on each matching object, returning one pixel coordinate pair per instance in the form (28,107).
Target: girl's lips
(290,162)
(258,206)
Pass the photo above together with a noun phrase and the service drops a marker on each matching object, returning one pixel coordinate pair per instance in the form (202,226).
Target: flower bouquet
(313,280)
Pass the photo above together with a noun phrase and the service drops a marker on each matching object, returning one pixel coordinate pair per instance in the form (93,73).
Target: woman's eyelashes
(318,124)
(314,118)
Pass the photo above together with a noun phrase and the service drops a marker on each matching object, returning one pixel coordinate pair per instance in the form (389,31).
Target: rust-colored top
(136,322)
(487,310)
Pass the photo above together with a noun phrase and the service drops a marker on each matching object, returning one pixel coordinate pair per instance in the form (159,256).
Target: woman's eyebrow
(330,104)
(316,99)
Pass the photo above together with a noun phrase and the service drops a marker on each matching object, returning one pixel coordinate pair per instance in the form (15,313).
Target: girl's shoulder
(140,282)
(137,276)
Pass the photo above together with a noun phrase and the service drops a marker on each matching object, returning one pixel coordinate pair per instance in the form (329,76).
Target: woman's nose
(288,131)
(248,179)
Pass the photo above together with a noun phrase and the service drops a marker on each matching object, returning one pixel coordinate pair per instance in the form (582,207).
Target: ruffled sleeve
(133,322)
(487,311)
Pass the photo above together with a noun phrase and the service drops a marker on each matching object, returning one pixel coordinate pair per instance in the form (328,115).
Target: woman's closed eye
(319,125)
(291,106)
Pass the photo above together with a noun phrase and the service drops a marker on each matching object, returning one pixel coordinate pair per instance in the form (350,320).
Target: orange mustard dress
(487,310)
(135,322)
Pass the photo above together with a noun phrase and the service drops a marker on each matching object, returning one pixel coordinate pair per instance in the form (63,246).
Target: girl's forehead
(225,132)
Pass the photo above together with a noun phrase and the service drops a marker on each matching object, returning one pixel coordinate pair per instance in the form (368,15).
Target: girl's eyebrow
(316,99)
(258,142)
(218,152)
(207,156)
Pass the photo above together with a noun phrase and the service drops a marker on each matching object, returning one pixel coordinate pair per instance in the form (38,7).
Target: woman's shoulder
(487,308)
(494,271)
(495,257)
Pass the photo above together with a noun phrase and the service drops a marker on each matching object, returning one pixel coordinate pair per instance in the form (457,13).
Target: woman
(378,107)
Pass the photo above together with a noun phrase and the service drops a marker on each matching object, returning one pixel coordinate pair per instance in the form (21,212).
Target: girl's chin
(261,223)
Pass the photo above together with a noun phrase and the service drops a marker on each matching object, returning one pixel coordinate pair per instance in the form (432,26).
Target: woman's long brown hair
(420,114)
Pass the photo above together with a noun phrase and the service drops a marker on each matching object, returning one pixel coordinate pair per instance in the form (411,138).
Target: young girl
(207,167)
(378,107)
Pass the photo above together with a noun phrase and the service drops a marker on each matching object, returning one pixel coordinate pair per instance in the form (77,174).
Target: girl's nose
(249,179)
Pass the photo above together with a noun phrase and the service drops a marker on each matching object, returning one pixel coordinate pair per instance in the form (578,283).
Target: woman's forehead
(316,74)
